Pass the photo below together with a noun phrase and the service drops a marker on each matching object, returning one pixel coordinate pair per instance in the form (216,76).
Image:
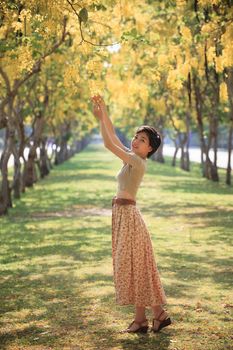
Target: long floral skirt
(135,272)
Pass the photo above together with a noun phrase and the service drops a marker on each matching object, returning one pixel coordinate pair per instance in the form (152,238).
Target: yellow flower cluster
(3,31)
(159,106)
(227,55)
(211,54)
(205,3)
(184,70)
(96,87)
(96,84)
(17,26)
(223,92)
(208,28)
(219,64)
(25,60)
(94,66)
(186,34)
(193,62)
(227,40)
(71,78)
(173,80)
(25,14)
(85,49)
(163,61)
(179,124)
(180,3)
(127,8)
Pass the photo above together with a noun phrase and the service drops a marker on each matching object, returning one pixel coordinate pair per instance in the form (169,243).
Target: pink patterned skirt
(136,276)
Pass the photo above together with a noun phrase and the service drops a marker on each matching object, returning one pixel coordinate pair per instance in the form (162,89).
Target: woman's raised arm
(103,115)
(109,141)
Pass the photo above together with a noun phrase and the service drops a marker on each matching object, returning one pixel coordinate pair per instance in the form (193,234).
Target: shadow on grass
(176,180)
(52,293)
(193,185)
(218,218)
(158,341)
(51,200)
(66,242)
(191,268)
(45,296)
(57,302)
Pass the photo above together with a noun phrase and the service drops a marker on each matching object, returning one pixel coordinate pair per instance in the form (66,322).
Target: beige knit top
(130,176)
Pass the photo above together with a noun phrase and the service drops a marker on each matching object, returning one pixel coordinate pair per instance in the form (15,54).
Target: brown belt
(123,201)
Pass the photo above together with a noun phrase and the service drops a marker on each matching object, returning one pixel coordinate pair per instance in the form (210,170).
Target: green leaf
(83,15)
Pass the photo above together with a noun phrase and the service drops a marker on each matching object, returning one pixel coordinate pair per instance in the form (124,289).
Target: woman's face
(140,144)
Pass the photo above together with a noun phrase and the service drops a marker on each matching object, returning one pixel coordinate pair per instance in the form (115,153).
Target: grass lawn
(56,285)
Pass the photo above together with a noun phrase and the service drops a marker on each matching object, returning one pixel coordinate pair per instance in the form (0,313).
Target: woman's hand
(99,107)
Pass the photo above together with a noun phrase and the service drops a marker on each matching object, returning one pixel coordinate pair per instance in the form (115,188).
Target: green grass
(56,286)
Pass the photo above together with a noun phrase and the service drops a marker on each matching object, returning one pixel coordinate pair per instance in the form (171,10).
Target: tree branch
(81,32)
(6,79)
(37,65)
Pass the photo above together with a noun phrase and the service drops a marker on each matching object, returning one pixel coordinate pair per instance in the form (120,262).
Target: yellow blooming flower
(17,26)
(174,81)
(94,66)
(25,60)
(96,87)
(211,54)
(186,33)
(162,60)
(223,92)
(219,64)
(180,3)
(227,55)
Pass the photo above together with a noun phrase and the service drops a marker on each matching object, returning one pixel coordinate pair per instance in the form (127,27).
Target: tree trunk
(62,152)
(30,176)
(22,145)
(229,81)
(18,152)
(208,170)
(17,181)
(175,153)
(44,163)
(5,199)
(183,158)
(50,158)
(186,164)
(215,139)
(78,146)
(158,155)
(30,168)
(228,174)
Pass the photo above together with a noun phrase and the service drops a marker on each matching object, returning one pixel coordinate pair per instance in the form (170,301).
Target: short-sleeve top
(130,176)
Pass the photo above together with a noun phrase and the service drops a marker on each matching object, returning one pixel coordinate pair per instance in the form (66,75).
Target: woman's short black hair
(153,136)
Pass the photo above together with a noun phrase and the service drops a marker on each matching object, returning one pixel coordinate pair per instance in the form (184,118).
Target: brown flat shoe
(137,327)
(158,324)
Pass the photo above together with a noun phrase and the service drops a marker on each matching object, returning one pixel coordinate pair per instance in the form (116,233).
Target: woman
(136,276)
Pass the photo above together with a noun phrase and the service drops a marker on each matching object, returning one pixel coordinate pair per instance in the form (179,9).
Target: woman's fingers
(98,99)
(97,111)
(98,106)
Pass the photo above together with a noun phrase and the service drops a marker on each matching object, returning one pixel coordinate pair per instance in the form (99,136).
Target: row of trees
(41,99)
(179,74)
(172,67)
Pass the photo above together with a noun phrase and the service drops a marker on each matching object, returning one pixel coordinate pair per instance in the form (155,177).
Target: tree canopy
(166,63)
